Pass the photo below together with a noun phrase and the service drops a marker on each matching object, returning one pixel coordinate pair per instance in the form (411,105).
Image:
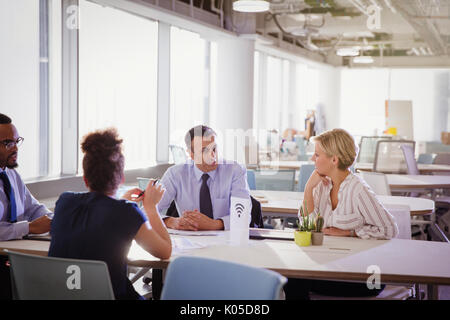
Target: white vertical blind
(19,77)
(118,79)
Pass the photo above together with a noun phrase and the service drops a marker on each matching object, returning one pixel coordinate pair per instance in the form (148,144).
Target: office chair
(426,158)
(377,182)
(251,180)
(368,147)
(178,154)
(306,171)
(411,163)
(280,180)
(197,278)
(389,156)
(49,278)
(442,158)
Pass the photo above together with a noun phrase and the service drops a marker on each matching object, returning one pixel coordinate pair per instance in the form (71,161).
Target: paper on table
(183,244)
(193,233)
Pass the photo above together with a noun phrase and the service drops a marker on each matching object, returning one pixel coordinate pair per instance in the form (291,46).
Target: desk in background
(286,204)
(423,168)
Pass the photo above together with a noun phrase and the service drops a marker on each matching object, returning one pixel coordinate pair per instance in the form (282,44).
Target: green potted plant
(317,234)
(302,235)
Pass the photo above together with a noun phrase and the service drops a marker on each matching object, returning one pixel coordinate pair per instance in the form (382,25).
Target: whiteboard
(399,114)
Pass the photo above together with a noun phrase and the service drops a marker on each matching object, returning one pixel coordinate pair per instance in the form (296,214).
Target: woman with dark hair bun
(95,226)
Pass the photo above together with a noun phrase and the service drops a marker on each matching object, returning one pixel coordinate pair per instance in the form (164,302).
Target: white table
(363,166)
(339,258)
(423,168)
(411,182)
(286,204)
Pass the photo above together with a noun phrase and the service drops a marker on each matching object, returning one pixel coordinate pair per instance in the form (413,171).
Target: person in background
(347,204)
(95,225)
(20,212)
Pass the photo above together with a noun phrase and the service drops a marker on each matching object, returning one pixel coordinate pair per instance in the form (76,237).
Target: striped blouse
(358,209)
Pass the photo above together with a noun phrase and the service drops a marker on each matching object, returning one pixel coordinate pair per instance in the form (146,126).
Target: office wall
(329,95)
(364,91)
(429,91)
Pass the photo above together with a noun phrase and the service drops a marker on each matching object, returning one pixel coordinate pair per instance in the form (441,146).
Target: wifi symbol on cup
(239,209)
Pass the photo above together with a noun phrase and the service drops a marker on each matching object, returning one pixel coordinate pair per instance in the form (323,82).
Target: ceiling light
(363,59)
(423,51)
(416,52)
(347,52)
(251,6)
(358,34)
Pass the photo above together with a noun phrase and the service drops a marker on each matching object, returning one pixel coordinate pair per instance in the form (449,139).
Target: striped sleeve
(378,223)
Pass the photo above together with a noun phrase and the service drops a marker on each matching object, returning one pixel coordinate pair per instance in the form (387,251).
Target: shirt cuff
(226,222)
(21,229)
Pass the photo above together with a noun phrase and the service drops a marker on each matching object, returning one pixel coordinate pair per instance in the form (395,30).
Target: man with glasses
(202,187)
(20,212)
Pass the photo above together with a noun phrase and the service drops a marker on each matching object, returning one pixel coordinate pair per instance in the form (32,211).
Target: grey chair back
(389,157)
(279,180)
(212,279)
(368,147)
(306,171)
(426,158)
(411,163)
(178,153)
(48,278)
(442,158)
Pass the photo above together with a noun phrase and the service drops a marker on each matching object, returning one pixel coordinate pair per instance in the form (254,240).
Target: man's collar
(199,173)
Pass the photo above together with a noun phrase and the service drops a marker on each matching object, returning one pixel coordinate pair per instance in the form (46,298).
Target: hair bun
(102,143)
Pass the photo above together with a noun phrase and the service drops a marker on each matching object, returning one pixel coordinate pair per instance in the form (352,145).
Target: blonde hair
(340,143)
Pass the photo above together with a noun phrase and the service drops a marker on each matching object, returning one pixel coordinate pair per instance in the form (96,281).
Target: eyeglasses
(9,144)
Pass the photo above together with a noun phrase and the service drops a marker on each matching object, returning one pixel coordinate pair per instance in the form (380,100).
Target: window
(19,77)
(118,79)
(189,83)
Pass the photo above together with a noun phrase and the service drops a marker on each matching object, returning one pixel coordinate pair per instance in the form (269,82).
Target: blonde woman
(348,205)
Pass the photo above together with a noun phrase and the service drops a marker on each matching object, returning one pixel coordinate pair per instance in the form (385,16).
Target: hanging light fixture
(347,52)
(251,5)
(363,59)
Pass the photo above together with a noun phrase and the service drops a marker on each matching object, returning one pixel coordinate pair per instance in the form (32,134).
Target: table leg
(157,283)
(432,292)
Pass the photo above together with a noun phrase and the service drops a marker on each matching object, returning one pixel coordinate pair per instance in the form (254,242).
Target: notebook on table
(275,234)
(43,236)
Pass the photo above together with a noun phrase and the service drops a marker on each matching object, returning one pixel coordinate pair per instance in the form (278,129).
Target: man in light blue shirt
(20,212)
(202,187)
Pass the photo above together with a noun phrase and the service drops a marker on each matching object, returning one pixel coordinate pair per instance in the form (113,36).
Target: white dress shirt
(182,183)
(28,208)
(358,209)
